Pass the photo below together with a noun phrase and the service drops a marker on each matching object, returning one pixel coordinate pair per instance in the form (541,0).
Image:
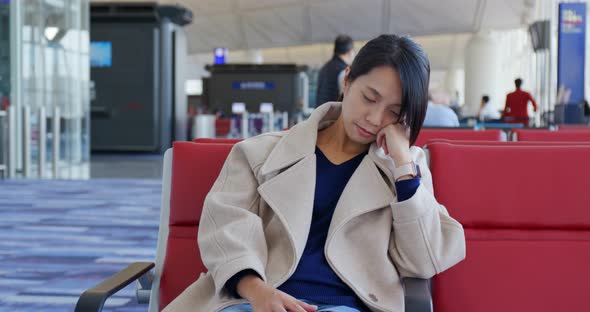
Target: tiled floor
(58,238)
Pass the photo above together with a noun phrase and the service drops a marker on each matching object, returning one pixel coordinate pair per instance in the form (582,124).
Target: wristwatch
(409,169)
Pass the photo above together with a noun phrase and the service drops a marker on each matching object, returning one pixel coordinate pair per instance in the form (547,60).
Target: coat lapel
(292,167)
(365,191)
(291,194)
(300,141)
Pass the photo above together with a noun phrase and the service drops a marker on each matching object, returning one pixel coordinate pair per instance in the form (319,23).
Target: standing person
(331,74)
(516,110)
(586,110)
(333,213)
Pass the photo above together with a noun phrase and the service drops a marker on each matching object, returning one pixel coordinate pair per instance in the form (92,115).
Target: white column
(482,68)
(455,77)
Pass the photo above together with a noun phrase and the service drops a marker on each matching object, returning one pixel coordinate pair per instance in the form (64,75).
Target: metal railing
(3,143)
(9,164)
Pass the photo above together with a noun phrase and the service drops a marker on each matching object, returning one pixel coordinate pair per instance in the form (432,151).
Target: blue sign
(253,85)
(571,49)
(220,55)
(101,54)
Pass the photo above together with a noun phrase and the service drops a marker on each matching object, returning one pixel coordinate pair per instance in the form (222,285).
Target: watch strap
(410,169)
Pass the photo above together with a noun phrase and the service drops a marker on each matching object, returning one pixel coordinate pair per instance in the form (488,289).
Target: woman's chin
(362,140)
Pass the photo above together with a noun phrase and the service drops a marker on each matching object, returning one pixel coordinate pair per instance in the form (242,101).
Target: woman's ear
(345,82)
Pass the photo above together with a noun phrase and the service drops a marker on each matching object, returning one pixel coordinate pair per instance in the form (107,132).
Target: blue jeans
(245,307)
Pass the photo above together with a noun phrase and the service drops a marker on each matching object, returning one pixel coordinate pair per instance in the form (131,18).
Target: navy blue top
(314,279)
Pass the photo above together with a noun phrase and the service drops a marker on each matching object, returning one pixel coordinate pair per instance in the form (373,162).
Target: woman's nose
(375,117)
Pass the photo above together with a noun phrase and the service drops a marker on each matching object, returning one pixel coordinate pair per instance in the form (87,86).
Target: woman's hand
(394,140)
(265,298)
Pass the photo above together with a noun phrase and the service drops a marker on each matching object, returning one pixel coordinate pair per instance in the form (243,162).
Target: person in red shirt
(516,110)
(4,103)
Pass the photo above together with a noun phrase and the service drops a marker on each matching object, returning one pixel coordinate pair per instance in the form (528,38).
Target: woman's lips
(364,132)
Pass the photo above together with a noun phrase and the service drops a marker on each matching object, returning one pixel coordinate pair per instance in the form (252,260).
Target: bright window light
(50,32)
(194,87)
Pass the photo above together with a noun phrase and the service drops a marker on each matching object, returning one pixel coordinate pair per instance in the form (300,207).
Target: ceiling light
(50,32)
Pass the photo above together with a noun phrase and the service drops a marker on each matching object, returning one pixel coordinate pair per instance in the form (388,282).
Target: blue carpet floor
(58,238)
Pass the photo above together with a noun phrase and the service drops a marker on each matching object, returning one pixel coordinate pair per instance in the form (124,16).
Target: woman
(316,218)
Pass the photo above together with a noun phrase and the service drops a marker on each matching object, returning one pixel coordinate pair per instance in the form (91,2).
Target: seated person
(487,112)
(333,213)
(439,114)
(586,110)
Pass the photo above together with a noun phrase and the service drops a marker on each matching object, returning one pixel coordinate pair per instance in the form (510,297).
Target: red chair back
(507,143)
(573,127)
(222,126)
(570,135)
(217,140)
(458,134)
(527,226)
(195,168)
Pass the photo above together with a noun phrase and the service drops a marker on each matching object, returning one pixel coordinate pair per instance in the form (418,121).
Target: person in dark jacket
(328,80)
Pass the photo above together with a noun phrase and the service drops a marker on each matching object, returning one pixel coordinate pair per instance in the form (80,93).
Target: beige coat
(258,213)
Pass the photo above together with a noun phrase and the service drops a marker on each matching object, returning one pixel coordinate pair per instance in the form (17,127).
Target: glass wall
(50,88)
(4,82)
(4,53)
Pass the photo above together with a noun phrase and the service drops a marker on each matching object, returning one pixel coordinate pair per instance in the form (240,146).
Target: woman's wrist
(401,160)
(406,171)
(249,285)
(401,156)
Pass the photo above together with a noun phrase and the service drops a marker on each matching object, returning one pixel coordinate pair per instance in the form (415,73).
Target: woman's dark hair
(410,61)
(485,98)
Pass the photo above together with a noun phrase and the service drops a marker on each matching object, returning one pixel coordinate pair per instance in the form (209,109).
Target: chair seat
(514,270)
(181,252)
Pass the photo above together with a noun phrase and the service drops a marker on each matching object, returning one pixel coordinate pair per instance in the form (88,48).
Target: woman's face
(370,103)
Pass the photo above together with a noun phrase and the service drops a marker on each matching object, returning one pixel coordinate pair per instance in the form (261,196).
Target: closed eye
(369,100)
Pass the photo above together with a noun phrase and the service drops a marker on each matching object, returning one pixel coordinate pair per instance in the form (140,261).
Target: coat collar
(291,192)
(300,141)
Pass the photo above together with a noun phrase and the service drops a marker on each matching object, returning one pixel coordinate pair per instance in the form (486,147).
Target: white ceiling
(255,24)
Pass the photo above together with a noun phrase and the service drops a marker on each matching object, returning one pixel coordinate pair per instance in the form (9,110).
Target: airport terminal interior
(117,117)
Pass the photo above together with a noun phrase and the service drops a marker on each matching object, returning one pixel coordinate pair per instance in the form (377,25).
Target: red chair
(190,169)
(195,168)
(570,135)
(222,126)
(527,226)
(459,134)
